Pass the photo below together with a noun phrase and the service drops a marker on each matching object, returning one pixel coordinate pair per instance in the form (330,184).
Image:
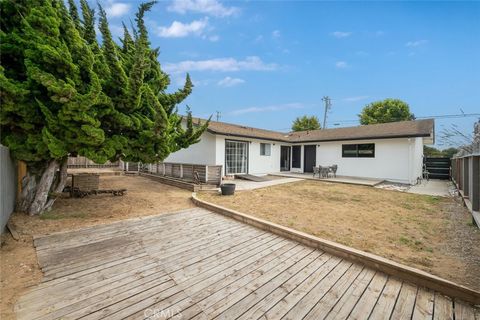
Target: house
(389,151)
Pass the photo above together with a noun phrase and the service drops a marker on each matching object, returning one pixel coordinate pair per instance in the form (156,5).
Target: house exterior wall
(417,161)
(257,164)
(203,152)
(398,160)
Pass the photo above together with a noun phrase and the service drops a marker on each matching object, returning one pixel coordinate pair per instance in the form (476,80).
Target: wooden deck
(196,264)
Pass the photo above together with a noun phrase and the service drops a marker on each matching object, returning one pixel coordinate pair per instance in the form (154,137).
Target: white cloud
(230,82)
(210,7)
(179,29)
(276,33)
(341,34)
(253,63)
(355,99)
(417,43)
(214,38)
(117,9)
(295,105)
(341,64)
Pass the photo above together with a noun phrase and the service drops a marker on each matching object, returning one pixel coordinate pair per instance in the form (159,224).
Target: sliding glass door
(236,157)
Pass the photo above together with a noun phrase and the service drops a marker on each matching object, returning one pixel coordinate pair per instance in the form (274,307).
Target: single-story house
(389,151)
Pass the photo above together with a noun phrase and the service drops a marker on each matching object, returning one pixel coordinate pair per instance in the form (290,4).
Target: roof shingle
(402,129)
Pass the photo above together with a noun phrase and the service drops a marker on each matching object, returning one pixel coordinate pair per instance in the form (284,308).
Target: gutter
(316,140)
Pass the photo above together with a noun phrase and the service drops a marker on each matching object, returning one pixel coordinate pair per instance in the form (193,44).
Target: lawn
(18,259)
(430,233)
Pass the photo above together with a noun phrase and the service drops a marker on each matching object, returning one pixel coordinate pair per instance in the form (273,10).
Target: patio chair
(425,173)
(316,170)
(324,172)
(333,169)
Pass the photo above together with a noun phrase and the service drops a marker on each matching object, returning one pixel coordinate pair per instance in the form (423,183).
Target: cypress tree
(50,97)
(63,95)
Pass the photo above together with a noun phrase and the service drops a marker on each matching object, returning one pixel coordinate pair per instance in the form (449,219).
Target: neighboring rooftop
(401,129)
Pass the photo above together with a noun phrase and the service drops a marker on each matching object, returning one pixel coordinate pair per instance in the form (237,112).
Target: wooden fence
(210,174)
(8,186)
(83,162)
(465,173)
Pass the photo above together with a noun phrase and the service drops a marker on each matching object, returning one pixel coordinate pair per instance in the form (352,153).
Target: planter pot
(228,189)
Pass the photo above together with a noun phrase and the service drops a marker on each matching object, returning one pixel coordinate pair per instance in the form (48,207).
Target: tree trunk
(59,185)
(39,192)
(37,206)
(29,187)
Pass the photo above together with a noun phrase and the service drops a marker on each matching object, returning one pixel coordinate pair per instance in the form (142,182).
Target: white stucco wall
(203,152)
(398,160)
(263,164)
(257,164)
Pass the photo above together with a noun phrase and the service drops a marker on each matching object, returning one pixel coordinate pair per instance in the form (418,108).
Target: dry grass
(430,233)
(19,268)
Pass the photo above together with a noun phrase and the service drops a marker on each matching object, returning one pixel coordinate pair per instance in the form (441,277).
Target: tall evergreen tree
(64,95)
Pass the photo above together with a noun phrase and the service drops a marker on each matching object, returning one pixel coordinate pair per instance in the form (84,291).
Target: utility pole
(328,105)
(219,114)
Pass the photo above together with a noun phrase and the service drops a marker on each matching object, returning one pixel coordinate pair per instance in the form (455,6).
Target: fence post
(475,183)
(206,174)
(181,170)
(466,176)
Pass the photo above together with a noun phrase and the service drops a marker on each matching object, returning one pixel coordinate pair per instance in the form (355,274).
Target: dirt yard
(434,234)
(19,269)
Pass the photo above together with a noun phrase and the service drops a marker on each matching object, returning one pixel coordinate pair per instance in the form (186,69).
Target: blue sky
(263,63)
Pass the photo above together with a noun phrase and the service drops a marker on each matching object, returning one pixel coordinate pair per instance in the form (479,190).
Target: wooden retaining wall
(387,266)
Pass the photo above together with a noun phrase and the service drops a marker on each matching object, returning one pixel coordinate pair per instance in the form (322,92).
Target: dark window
(296,156)
(265,149)
(364,150)
(349,150)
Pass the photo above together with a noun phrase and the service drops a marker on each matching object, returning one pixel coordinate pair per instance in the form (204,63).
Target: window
(265,149)
(364,150)
(296,156)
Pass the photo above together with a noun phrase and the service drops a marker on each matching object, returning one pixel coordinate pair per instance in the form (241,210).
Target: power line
(444,116)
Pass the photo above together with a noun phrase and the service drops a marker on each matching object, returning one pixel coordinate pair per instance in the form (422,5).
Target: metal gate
(438,168)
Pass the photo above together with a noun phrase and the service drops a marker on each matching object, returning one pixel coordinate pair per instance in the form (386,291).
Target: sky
(264,63)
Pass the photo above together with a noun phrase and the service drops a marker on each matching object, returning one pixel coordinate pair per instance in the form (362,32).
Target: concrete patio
(433,187)
(196,264)
(337,179)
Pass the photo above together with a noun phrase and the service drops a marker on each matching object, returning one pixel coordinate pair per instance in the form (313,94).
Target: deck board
(200,265)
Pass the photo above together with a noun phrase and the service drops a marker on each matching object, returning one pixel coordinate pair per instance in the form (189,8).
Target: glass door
(236,157)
